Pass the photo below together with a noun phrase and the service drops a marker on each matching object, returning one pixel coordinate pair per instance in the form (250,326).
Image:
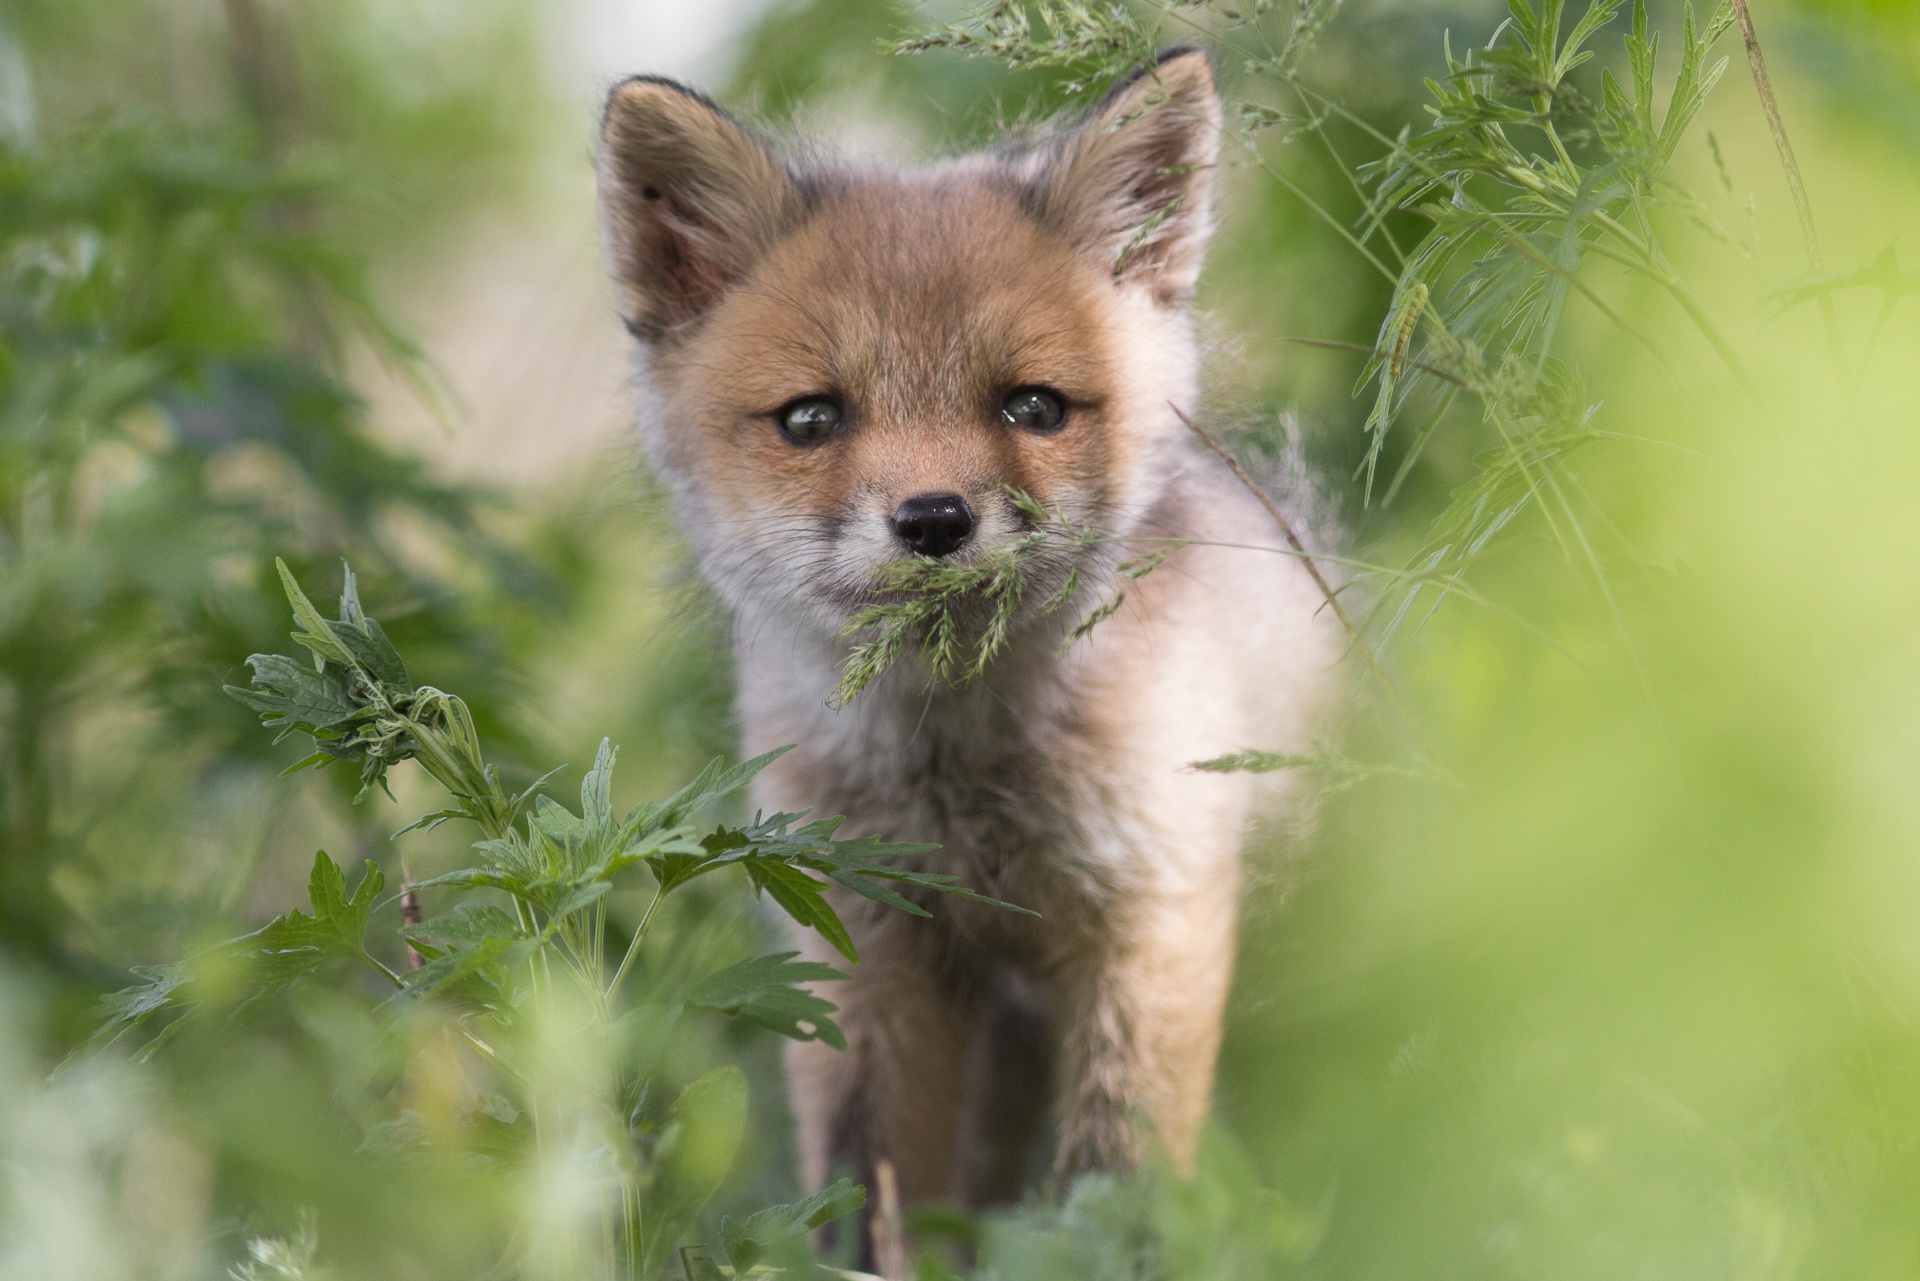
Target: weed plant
(1525,177)
(179,300)
(499,976)
(957,616)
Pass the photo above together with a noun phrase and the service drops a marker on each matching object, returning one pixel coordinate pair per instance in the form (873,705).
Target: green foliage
(763,990)
(691,1159)
(1512,225)
(1634,995)
(1221,1225)
(249,969)
(1091,39)
(775,1230)
(493,970)
(175,305)
(956,616)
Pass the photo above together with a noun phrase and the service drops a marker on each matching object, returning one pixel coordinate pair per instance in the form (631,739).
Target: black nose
(934,524)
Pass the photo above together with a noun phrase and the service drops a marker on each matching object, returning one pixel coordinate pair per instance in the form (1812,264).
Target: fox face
(845,368)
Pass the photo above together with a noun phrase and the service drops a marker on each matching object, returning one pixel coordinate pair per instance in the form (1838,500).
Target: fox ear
(1134,183)
(689,200)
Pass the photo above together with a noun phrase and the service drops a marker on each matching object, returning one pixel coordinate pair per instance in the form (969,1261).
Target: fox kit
(846,367)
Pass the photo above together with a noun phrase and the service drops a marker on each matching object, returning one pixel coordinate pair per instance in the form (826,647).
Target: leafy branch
(492,969)
(957,616)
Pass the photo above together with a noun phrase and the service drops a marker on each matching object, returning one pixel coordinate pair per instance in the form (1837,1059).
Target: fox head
(844,368)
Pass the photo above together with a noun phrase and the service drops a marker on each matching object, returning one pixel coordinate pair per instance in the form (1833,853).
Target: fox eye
(1034,408)
(809,420)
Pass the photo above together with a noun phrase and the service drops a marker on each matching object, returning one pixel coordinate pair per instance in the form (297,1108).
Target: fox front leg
(894,1093)
(1140,1034)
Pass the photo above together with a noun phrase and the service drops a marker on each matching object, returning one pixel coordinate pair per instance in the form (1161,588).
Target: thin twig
(633,948)
(410,916)
(890,1255)
(1369,349)
(1319,579)
(1757,64)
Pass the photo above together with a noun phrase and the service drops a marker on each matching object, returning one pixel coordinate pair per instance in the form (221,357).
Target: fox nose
(934,524)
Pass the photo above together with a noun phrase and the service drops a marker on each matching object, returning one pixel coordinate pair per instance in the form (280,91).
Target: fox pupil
(809,420)
(1034,408)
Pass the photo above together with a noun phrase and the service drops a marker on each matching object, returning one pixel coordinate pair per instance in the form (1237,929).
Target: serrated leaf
(247,969)
(339,923)
(767,1230)
(483,972)
(712,783)
(469,923)
(804,899)
(596,789)
(316,634)
(291,695)
(374,652)
(476,878)
(576,899)
(762,990)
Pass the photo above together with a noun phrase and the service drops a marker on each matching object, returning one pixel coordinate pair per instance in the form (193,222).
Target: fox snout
(933,524)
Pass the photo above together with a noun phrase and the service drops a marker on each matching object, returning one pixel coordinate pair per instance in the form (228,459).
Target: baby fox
(846,367)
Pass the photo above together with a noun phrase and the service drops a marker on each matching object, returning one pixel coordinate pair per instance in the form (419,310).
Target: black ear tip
(630,86)
(1176,52)
(1165,58)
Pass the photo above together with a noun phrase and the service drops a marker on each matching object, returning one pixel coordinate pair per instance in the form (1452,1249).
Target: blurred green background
(1629,987)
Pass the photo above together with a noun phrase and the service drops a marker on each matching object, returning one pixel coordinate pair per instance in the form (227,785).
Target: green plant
(956,617)
(498,976)
(179,298)
(1528,173)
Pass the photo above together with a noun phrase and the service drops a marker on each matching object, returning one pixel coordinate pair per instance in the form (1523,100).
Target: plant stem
(633,948)
(1313,570)
(1704,323)
(382,966)
(410,914)
(1757,64)
(490,1054)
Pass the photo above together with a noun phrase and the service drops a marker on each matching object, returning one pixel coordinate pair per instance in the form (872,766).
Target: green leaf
(470,923)
(805,900)
(338,925)
(713,782)
(767,1230)
(575,900)
(427,822)
(696,1148)
(484,973)
(762,991)
(127,1009)
(1598,14)
(373,652)
(291,695)
(316,634)
(252,967)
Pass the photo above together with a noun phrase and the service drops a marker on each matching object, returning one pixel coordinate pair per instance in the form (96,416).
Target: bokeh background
(1620,978)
